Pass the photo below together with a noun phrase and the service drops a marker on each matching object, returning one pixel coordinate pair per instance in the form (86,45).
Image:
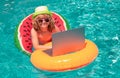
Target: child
(43,28)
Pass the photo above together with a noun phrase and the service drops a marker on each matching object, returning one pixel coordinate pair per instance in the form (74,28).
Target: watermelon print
(23,31)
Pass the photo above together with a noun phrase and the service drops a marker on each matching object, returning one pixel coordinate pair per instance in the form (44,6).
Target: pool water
(101,19)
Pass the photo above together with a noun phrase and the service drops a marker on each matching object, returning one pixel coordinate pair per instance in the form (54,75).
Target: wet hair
(36,24)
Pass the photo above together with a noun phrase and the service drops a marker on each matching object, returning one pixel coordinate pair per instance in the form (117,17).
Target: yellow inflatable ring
(74,60)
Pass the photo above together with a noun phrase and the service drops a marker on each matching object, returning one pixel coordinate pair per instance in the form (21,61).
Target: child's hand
(49,47)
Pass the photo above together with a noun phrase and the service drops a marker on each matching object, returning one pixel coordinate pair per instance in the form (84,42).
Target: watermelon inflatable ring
(23,36)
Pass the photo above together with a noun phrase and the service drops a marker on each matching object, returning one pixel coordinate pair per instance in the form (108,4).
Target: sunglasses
(41,20)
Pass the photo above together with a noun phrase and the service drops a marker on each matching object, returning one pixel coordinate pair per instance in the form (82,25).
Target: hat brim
(41,12)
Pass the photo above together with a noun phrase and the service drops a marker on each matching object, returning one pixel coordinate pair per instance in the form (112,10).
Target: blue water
(101,19)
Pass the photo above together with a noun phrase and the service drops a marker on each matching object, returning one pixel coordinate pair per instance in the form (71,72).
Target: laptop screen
(68,41)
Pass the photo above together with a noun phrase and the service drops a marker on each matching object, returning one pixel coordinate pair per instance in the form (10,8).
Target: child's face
(43,20)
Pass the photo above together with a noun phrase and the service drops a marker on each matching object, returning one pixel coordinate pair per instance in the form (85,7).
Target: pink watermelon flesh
(59,22)
(24,30)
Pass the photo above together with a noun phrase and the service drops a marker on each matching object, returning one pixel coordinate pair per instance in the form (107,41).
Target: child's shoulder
(33,31)
(57,29)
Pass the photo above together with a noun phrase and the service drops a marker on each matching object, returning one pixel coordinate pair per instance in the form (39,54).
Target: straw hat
(41,10)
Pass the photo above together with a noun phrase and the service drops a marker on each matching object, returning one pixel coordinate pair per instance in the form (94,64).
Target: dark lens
(47,20)
(40,21)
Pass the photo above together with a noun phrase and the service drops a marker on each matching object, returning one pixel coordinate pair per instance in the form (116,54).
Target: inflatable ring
(22,33)
(74,60)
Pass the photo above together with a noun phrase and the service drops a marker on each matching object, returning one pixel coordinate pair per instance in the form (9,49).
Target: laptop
(67,41)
